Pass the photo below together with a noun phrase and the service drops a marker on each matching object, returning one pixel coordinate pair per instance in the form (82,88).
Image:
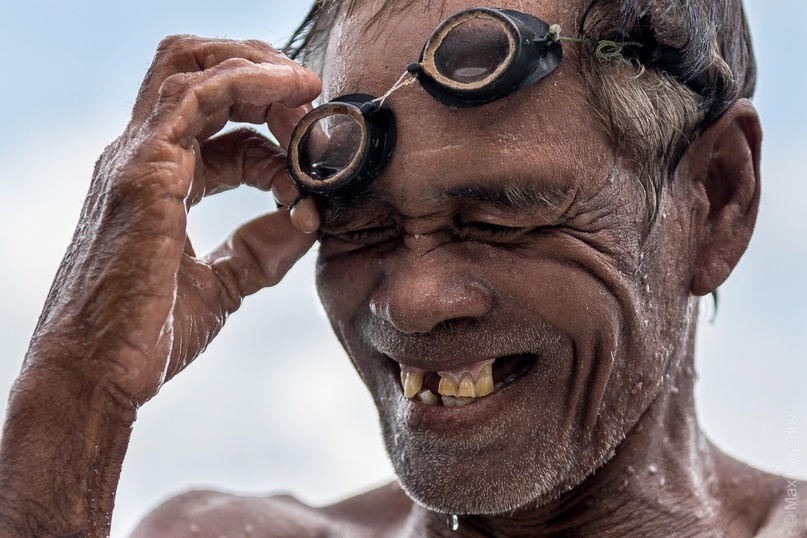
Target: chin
(495,469)
(443,485)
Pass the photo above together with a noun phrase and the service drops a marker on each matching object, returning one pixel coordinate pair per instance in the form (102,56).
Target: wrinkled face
(503,249)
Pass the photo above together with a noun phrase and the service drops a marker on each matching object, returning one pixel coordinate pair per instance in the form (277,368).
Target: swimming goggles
(475,56)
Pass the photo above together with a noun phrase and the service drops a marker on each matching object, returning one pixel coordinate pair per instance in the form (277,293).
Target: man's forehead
(396,30)
(371,47)
(546,132)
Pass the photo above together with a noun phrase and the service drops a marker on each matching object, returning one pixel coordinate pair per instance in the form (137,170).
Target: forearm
(61,453)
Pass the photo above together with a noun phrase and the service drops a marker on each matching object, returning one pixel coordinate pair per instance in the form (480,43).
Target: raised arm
(132,304)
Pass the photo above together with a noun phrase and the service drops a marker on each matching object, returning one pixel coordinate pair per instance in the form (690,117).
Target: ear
(724,170)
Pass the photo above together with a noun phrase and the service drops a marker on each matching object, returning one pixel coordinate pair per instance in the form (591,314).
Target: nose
(421,291)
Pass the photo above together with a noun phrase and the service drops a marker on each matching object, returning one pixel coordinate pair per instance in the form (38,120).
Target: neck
(665,479)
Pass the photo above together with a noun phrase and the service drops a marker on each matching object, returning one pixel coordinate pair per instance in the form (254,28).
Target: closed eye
(362,236)
(486,231)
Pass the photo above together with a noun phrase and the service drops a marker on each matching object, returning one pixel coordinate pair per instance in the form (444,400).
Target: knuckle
(234,63)
(150,170)
(174,43)
(263,47)
(176,84)
(177,53)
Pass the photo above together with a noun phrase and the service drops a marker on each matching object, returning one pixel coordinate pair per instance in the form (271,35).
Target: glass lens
(329,146)
(472,50)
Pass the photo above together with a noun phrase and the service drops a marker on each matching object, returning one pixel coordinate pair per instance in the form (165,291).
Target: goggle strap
(400,83)
(605,50)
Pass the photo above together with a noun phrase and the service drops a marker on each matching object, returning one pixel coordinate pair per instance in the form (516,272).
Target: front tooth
(448,387)
(467,389)
(484,383)
(428,397)
(449,401)
(412,381)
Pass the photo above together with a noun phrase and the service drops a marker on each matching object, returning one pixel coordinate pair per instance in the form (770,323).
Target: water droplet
(453,522)
(652,469)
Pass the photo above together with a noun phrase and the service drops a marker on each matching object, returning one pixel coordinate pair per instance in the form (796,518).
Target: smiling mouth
(464,385)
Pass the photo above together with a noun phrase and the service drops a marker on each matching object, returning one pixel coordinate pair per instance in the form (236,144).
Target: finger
(192,104)
(239,157)
(282,124)
(256,255)
(285,190)
(197,188)
(282,120)
(305,216)
(188,54)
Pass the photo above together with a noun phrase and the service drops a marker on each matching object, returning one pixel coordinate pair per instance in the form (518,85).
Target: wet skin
(436,269)
(450,277)
(510,229)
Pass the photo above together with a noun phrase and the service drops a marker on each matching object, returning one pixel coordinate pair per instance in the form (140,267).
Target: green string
(606,50)
(610,50)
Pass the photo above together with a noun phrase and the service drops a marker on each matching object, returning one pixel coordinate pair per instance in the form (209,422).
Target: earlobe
(727,193)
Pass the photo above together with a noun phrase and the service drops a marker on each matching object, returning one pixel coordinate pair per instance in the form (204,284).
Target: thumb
(257,254)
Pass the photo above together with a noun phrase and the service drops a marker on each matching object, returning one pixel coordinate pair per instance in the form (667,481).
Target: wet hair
(691,60)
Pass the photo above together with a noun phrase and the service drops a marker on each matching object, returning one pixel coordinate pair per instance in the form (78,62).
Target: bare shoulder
(205,513)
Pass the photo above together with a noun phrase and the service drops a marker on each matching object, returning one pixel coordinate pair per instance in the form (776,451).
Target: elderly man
(512,252)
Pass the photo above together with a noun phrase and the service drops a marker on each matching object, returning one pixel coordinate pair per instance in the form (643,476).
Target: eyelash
(377,234)
(475,230)
(493,232)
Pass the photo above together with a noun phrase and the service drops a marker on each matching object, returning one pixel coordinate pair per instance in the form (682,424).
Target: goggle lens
(472,51)
(329,146)
(340,147)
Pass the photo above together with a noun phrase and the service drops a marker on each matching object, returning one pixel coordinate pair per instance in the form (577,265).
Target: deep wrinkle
(505,204)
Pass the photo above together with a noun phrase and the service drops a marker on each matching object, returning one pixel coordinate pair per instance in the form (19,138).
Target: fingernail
(305,216)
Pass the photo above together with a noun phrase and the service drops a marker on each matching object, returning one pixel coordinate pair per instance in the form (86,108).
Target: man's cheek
(344,287)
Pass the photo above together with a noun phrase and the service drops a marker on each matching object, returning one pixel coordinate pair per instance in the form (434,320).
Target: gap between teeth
(457,388)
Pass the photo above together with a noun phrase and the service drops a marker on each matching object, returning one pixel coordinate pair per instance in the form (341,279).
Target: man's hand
(131,291)
(132,304)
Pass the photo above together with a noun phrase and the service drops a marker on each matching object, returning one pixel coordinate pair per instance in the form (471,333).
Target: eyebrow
(511,196)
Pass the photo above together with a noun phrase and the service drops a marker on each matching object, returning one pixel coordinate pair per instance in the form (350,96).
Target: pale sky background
(273,405)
